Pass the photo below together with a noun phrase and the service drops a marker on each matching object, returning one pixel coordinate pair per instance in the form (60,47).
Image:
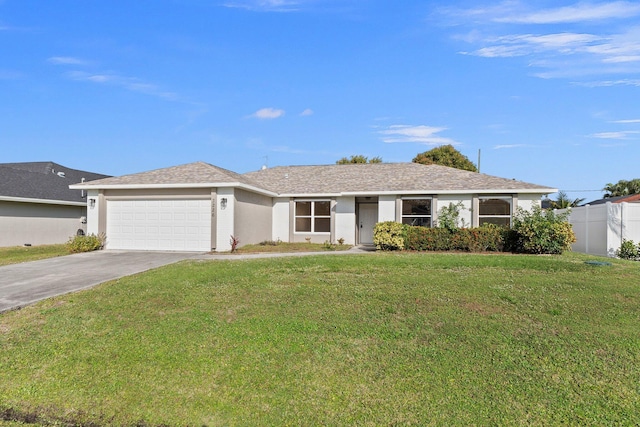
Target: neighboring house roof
(376,178)
(198,174)
(380,178)
(633,198)
(42,182)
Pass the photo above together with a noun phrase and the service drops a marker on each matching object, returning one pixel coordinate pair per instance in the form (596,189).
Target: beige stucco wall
(252,217)
(466,212)
(38,223)
(387,208)
(528,201)
(280,221)
(345,220)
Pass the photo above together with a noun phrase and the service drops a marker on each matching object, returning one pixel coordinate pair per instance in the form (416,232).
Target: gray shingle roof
(191,173)
(328,179)
(382,177)
(43,181)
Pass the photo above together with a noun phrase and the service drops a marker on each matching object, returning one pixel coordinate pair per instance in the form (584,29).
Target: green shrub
(629,250)
(88,243)
(480,239)
(449,216)
(389,236)
(328,246)
(540,232)
(428,239)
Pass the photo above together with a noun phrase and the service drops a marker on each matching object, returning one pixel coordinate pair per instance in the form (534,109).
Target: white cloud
(66,60)
(268,113)
(307,112)
(614,135)
(129,83)
(580,12)
(503,146)
(627,121)
(266,5)
(583,49)
(608,83)
(421,134)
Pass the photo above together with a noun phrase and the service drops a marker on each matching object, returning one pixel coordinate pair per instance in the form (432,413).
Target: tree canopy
(622,188)
(563,201)
(358,158)
(446,155)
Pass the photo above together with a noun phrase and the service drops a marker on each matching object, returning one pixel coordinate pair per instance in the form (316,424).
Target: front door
(367,219)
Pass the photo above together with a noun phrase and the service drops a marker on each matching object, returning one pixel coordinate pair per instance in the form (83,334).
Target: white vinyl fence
(600,229)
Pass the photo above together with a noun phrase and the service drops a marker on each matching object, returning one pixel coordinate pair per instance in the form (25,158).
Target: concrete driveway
(26,283)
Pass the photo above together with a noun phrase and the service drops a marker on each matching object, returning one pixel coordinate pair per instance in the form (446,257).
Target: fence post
(623,228)
(586,229)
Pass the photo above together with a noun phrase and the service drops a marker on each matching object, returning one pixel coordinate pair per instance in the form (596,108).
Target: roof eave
(424,192)
(41,201)
(172,186)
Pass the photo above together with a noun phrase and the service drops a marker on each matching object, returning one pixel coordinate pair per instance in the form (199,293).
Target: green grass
(284,247)
(376,339)
(18,254)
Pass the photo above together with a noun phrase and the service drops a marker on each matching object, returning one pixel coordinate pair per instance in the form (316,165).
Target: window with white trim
(495,210)
(313,216)
(416,211)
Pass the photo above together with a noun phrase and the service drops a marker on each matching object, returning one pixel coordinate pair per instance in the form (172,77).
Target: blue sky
(549,91)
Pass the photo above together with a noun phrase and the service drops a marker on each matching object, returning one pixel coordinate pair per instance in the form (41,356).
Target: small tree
(446,155)
(449,216)
(563,201)
(358,158)
(628,250)
(541,232)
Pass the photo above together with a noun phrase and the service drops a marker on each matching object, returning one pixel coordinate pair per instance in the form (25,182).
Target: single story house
(36,205)
(198,206)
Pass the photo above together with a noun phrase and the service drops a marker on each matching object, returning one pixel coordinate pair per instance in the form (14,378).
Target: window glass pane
(495,220)
(416,207)
(422,221)
(303,208)
(322,209)
(495,207)
(322,225)
(303,224)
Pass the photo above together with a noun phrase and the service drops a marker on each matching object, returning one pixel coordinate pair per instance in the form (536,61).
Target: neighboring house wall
(253,217)
(600,229)
(38,223)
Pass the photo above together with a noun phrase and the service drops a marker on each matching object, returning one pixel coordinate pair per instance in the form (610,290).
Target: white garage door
(164,225)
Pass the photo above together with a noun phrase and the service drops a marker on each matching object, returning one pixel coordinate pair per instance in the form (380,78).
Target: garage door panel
(159,224)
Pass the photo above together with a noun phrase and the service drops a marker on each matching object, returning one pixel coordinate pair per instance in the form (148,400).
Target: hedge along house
(198,206)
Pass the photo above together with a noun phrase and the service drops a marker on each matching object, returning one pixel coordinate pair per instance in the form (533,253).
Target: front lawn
(373,339)
(18,254)
(285,247)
